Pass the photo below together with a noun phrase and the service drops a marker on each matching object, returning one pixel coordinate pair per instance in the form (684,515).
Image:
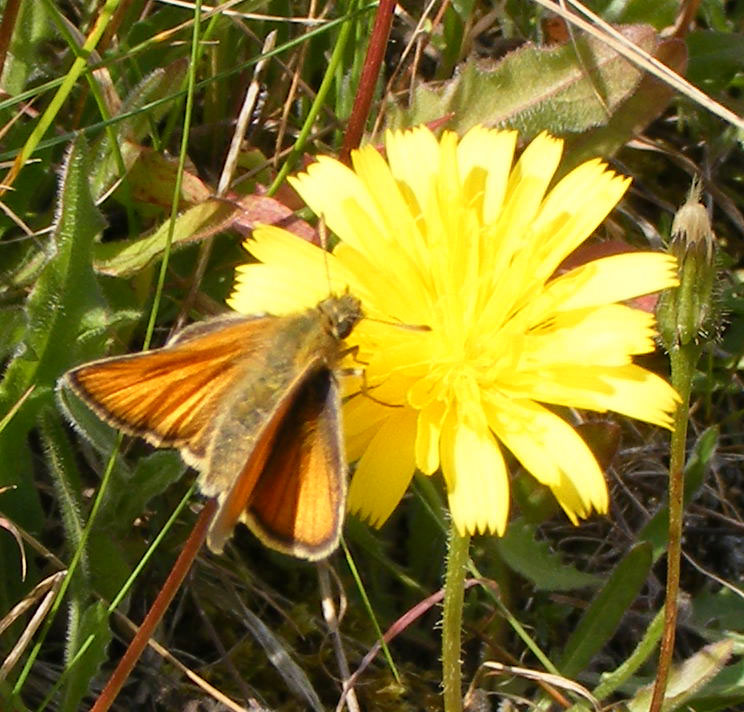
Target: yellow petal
(292,275)
(477,480)
(485,159)
(630,390)
(414,160)
(571,212)
(552,451)
(385,469)
(336,193)
(602,336)
(613,279)
(568,494)
(362,418)
(428,431)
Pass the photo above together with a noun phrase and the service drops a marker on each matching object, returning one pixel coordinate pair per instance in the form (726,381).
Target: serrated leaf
(537,562)
(645,104)
(560,89)
(687,679)
(606,610)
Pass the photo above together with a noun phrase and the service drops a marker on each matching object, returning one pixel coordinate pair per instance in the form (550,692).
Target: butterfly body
(252,403)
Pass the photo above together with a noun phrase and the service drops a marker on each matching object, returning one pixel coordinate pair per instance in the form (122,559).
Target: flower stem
(454,588)
(683,360)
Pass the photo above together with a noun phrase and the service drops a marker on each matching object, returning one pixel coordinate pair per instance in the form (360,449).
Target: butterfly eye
(345,326)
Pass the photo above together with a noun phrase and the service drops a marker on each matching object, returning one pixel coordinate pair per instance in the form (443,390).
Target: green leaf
(535,560)
(724,692)
(65,289)
(125,258)
(33,27)
(716,59)
(535,89)
(85,666)
(101,435)
(716,611)
(125,500)
(109,567)
(660,13)
(605,612)
(12,328)
(158,85)
(646,647)
(687,679)
(67,484)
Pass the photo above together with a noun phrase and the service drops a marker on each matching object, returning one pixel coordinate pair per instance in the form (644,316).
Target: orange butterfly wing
(169,396)
(292,489)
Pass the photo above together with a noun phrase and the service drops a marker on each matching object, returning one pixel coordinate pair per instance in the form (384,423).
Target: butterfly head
(343,313)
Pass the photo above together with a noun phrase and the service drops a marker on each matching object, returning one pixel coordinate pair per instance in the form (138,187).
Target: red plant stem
(7,25)
(158,608)
(368,78)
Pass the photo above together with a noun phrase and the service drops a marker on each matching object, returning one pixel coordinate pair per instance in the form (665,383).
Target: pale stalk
(683,360)
(454,591)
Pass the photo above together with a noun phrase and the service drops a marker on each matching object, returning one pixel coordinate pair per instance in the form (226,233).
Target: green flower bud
(687,314)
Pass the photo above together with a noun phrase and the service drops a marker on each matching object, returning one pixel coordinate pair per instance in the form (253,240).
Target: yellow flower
(448,235)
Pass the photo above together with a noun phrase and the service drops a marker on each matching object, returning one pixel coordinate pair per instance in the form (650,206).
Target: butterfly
(253,404)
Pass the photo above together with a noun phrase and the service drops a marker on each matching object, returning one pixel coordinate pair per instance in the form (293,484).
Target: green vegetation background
(82,234)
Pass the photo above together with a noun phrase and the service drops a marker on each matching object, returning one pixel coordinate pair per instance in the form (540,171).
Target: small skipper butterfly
(252,403)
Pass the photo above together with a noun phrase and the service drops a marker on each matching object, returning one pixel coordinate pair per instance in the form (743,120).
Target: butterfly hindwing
(291,489)
(298,502)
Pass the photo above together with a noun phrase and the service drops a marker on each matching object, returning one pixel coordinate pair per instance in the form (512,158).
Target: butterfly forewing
(170,395)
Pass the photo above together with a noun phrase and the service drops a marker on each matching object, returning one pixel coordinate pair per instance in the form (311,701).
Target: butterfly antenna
(323,234)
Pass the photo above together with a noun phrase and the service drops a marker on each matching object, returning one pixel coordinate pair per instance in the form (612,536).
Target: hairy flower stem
(683,360)
(454,590)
